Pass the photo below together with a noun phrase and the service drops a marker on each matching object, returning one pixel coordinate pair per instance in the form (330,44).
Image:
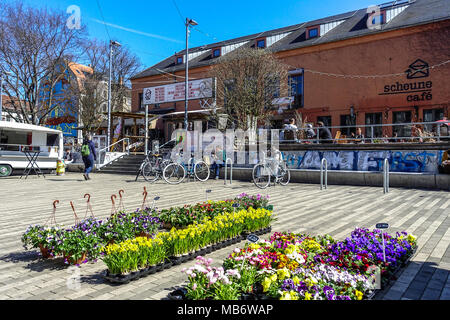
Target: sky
(154,30)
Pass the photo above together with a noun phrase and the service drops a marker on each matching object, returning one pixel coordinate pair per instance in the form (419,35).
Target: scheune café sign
(419,90)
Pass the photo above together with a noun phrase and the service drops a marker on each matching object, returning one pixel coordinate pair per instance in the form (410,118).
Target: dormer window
(261,43)
(378,19)
(179,60)
(216,52)
(313,33)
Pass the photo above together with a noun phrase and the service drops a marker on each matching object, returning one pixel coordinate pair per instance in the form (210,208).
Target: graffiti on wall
(399,161)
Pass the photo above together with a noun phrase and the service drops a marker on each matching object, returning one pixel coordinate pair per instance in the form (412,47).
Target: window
(141,101)
(374,118)
(325,119)
(432,115)
(402,117)
(296,89)
(347,120)
(312,33)
(179,60)
(261,43)
(378,19)
(216,53)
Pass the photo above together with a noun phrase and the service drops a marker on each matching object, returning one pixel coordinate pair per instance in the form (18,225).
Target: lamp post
(1,92)
(111,44)
(189,22)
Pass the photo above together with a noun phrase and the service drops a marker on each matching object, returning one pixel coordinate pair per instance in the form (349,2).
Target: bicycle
(270,168)
(176,172)
(152,167)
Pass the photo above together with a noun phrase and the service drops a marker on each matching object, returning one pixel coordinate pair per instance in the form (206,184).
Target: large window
(402,117)
(141,101)
(347,120)
(296,90)
(374,118)
(432,115)
(325,119)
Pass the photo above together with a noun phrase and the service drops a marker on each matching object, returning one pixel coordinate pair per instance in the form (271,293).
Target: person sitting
(324,133)
(359,137)
(309,131)
(218,160)
(290,130)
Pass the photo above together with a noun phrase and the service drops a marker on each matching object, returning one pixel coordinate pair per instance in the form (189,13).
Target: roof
(352,24)
(26,127)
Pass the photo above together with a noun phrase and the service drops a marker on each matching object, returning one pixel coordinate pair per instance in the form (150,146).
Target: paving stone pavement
(298,208)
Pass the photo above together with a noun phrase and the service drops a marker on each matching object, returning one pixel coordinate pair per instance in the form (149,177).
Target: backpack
(85,150)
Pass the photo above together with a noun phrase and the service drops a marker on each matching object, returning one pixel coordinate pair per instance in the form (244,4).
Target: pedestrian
(309,131)
(89,155)
(324,133)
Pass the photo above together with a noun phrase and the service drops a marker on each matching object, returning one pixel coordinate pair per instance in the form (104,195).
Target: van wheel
(5,170)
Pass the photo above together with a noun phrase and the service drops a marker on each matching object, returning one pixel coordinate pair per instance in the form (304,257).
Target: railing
(323,163)
(105,156)
(231,170)
(441,131)
(386,176)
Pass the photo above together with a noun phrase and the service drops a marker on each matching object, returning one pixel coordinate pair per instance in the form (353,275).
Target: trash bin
(60,168)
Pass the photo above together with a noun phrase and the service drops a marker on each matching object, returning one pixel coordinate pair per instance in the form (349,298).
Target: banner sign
(198,89)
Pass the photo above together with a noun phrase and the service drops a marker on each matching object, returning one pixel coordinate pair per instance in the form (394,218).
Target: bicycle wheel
(285,175)
(149,172)
(261,176)
(201,171)
(174,173)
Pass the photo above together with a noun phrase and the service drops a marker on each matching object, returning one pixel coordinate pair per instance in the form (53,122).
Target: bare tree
(247,82)
(125,65)
(33,44)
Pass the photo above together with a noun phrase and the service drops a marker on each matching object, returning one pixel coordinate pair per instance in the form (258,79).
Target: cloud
(151,35)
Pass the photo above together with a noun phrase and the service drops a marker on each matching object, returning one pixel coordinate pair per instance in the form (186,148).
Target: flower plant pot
(209,249)
(248,296)
(79,261)
(176,260)
(179,294)
(167,264)
(46,253)
(135,275)
(117,278)
(152,270)
(159,267)
(228,242)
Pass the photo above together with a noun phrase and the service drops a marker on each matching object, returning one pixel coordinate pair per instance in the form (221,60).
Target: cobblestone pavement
(298,208)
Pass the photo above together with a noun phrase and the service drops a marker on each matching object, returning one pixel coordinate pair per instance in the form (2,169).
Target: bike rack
(324,162)
(231,170)
(386,176)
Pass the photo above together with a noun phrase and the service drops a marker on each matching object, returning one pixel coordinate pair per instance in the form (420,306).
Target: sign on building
(198,89)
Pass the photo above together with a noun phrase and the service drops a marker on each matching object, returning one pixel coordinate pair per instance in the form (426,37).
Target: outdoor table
(32,157)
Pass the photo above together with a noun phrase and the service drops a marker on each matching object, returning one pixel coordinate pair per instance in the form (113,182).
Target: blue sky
(155,29)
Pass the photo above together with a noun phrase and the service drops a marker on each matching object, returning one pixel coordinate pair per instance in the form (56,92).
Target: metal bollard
(226,169)
(324,162)
(386,176)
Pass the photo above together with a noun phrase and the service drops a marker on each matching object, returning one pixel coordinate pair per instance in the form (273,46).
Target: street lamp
(111,44)
(1,92)
(189,22)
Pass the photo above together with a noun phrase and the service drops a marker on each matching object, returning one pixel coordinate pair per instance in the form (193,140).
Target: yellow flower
(283,273)
(308,296)
(296,280)
(358,294)
(273,277)
(266,284)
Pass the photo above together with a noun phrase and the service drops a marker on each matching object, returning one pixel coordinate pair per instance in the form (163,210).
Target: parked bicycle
(152,167)
(271,168)
(176,172)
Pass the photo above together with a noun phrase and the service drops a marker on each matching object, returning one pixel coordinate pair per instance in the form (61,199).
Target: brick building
(390,65)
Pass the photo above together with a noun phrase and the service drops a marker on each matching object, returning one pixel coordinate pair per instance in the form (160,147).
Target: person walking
(89,155)
(324,133)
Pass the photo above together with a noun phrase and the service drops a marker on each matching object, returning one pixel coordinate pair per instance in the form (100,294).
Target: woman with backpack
(89,156)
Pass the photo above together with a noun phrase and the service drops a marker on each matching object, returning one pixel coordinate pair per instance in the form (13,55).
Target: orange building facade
(396,75)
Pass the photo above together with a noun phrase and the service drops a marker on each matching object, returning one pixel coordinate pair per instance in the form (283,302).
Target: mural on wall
(399,161)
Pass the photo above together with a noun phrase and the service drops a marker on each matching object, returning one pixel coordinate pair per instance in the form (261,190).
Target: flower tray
(391,278)
(124,279)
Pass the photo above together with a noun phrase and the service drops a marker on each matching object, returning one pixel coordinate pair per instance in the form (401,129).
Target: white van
(17,137)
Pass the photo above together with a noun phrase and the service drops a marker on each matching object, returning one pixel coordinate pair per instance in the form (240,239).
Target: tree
(33,42)
(125,65)
(248,80)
